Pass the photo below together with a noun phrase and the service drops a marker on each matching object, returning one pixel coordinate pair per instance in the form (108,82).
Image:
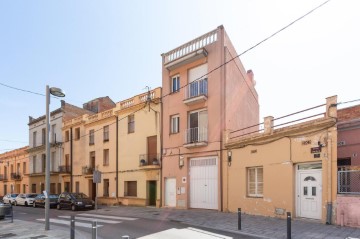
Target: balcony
(2,177)
(196,137)
(65,169)
(189,52)
(87,170)
(15,176)
(149,159)
(196,92)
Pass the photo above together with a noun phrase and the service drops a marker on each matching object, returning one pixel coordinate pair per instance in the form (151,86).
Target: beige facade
(14,172)
(284,169)
(123,143)
(204,93)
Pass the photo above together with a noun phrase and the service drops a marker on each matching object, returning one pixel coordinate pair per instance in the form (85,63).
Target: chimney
(30,119)
(250,75)
(62,103)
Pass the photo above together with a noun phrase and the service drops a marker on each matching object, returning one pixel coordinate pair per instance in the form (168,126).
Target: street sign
(97,176)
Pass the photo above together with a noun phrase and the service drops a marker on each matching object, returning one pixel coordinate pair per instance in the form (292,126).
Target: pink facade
(348,199)
(201,99)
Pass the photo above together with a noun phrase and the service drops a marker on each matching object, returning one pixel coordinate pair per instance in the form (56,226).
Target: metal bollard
(72,227)
(239,218)
(94,230)
(12,213)
(288,225)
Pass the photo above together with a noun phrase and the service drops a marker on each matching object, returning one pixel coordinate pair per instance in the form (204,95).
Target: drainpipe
(223,107)
(329,184)
(117,158)
(161,149)
(71,160)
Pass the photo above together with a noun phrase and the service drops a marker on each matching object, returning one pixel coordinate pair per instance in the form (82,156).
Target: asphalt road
(110,226)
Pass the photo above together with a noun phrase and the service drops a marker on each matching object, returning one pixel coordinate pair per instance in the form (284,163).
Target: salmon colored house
(290,166)
(204,93)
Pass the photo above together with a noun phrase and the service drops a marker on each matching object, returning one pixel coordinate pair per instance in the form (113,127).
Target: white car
(10,198)
(25,199)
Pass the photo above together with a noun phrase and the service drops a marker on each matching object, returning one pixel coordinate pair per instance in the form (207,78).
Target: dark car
(39,201)
(74,201)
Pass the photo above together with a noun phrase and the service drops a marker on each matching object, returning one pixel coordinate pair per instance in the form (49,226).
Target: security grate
(349,182)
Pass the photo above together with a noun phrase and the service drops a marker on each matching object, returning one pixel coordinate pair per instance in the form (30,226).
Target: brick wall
(349,113)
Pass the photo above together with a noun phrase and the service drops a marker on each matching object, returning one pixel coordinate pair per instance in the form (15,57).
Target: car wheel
(73,207)
(58,207)
(26,204)
(34,205)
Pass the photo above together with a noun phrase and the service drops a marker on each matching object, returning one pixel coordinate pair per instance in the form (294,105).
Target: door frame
(298,188)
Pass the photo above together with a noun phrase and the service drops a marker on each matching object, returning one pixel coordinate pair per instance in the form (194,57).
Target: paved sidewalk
(20,229)
(258,226)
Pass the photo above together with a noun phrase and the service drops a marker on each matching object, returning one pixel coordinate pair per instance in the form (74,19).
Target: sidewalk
(258,226)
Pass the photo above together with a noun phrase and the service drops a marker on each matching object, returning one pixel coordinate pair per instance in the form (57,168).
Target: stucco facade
(14,171)
(284,169)
(200,100)
(113,142)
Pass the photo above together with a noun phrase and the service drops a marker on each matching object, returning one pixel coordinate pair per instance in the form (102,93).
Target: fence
(349,182)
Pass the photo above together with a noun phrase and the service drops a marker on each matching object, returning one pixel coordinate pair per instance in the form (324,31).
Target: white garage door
(170,192)
(204,183)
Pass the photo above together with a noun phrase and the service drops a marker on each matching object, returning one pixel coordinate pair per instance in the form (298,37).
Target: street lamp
(59,93)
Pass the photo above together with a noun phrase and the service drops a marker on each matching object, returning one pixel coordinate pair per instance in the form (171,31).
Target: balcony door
(197,81)
(197,126)
(152,149)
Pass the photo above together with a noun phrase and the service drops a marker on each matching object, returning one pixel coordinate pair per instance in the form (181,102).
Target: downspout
(161,149)
(329,183)
(117,158)
(71,160)
(223,115)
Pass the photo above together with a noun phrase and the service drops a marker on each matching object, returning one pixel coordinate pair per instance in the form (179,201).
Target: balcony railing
(198,136)
(64,169)
(149,159)
(15,176)
(196,91)
(87,170)
(2,177)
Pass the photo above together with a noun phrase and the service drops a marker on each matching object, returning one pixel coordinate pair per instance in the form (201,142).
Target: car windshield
(31,195)
(14,195)
(80,195)
(53,196)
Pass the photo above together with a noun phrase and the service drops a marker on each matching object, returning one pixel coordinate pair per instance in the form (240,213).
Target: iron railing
(195,135)
(149,159)
(15,176)
(64,169)
(349,181)
(88,170)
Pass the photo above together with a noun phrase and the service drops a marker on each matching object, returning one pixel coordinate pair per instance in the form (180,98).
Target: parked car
(39,200)
(75,201)
(25,199)
(10,198)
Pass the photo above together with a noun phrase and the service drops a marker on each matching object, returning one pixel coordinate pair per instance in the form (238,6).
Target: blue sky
(112,48)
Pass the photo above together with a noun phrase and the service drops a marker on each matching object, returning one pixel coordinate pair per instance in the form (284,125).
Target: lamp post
(59,93)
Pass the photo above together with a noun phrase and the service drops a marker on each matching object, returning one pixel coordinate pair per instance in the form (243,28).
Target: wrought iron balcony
(15,176)
(149,159)
(2,177)
(196,91)
(196,137)
(88,170)
(64,169)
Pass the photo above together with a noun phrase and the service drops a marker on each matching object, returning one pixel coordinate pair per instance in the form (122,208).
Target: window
(43,136)
(91,137)
(131,124)
(34,164)
(18,168)
(52,162)
(67,136)
(67,186)
(52,188)
(24,167)
(33,188)
(106,188)
(175,83)
(43,163)
(106,157)
(130,188)
(175,124)
(106,133)
(77,187)
(77,133)
(197,127)
(53,133)
(34,139)
(255,182)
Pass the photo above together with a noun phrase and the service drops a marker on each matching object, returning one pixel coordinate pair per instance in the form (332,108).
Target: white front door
(204,183)
(309,194)
(170,192)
